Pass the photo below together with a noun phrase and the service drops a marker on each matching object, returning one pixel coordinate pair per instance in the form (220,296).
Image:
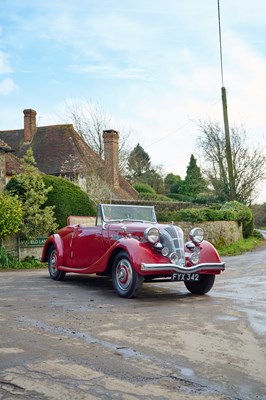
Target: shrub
(7,260)
(257,234)
(68,199)
(197,215)
(259,213)
(153,197)
(30,262)
(30,188)
(205,198)
(179,197)
(10,215)
(244,215)
(143,188)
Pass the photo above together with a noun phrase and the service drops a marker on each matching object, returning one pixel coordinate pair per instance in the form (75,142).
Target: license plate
(185,277)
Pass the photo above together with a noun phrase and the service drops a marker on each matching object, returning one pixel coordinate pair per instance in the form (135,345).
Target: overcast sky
(152,64)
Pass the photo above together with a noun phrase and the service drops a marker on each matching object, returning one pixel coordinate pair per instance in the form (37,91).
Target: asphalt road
(78,340)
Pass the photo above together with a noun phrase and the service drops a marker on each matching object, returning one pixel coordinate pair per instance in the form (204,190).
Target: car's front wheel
(203,286)
(127,282)
(55,273)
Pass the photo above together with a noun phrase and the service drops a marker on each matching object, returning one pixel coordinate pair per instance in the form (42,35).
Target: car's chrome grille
(172,237)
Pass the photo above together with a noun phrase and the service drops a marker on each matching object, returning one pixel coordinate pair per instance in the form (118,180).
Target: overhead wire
(190,121)
(220,43)
(222,79)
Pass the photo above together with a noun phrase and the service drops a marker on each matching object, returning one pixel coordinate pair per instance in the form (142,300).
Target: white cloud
(8,86)
(109,71)
(4,63)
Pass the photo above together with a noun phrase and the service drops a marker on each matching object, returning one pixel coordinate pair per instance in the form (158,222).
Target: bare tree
(97,189)
(90,120)
(248,163)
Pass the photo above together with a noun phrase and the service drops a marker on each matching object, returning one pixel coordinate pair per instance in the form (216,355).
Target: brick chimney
(110,139)
(29,125)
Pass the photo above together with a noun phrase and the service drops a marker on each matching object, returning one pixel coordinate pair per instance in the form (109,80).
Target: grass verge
(240,247)
(8,262)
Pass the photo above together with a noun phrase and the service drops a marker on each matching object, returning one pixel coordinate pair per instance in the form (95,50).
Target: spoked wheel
(55,273)
(127,282)
(203,286)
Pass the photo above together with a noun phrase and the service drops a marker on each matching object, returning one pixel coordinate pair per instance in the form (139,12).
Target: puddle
(247,295)
(226,318)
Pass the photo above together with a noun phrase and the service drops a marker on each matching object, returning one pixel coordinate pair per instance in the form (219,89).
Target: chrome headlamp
(152,235)
(165,251)
(173,258)
(194,257)
(196,235)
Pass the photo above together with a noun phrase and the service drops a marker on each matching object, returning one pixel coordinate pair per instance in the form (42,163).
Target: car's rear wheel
(55,273)
(127,282)
(203,286)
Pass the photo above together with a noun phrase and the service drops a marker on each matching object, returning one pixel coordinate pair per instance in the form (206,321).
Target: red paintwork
(88,250)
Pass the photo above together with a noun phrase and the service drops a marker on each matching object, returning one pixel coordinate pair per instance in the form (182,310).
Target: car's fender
(138,252)
(57,242)
(208,253)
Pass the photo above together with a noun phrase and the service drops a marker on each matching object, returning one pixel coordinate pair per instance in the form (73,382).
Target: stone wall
(12,245)
(218,232)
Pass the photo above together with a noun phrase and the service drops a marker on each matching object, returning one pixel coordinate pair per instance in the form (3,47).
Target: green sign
(37,242)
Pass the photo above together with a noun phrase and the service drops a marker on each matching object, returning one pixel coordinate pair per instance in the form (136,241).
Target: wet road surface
(77,340)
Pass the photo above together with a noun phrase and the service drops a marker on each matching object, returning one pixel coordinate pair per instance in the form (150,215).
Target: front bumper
(213,267)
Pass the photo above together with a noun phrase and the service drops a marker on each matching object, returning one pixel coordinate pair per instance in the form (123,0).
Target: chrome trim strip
(187,270)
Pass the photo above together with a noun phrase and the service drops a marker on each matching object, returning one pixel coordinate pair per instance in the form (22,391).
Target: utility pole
(231,176)
(229,160)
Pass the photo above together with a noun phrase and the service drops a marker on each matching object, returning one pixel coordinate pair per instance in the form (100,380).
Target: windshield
(117,212)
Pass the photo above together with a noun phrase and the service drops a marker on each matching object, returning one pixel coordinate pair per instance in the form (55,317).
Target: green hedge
(197,215)
(154,197)
(244,215)
(231,211)
(143,188)
(179,197)
(68,199)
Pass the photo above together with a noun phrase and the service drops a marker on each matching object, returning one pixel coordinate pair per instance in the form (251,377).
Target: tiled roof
(4,147)
(13,165)
(59,150)
(56,149)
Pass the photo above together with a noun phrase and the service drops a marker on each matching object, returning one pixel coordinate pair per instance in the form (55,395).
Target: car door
(87,246)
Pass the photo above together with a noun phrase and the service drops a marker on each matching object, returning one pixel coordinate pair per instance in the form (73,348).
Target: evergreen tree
(29,186)
(172,183)
(154,179)
(139,163)
(194,182)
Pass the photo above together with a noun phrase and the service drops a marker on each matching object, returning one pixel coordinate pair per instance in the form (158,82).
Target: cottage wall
(2,170)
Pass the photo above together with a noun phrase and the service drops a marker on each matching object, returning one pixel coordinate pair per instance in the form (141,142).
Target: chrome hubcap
(124,274)
(53,261)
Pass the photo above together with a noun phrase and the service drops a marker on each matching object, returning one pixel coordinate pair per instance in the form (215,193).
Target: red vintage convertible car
(126,243)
